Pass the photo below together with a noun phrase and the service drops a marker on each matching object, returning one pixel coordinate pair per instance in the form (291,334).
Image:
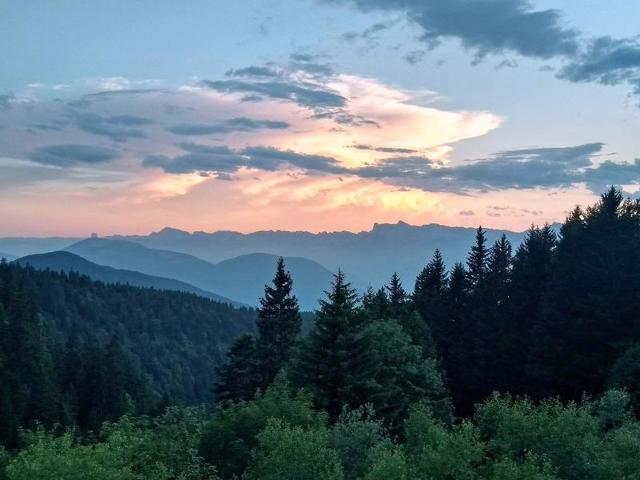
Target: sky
(317,115)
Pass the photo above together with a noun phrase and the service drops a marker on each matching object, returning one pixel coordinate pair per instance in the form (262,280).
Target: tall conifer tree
(334,362)
(237,377)
(278,323)
(478,257)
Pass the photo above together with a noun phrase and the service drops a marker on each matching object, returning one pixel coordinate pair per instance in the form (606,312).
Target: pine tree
(531,270)
(397,297)
(429,299)
(591,301)
(334,362)
(458,355)
(478,257)
(488,317)
(237,378)
(278,323)
(376,303)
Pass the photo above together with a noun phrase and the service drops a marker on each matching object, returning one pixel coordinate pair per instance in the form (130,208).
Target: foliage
(232,432)
(287,452)
(253,363)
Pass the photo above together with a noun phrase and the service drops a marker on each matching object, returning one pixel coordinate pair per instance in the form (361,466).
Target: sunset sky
(319,115)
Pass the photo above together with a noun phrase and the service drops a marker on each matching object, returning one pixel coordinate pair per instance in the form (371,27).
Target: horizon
(236,116)
(321,232)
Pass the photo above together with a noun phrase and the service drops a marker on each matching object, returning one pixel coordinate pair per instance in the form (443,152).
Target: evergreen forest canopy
(518,365)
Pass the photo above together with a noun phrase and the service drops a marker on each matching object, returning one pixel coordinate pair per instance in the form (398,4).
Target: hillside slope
(62,261)
(241,278)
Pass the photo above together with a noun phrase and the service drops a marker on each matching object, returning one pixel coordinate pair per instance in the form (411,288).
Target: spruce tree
(397,297)
(278,324)
(458,355)
(334,362)
(531,271)
(237,377)
(429,299)
(376,303)
(478,257)
(488,318)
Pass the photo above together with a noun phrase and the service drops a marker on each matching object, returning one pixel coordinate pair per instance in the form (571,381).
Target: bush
(287,452)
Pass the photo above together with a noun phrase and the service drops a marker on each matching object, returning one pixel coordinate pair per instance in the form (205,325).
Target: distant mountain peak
(169,232)
(399,225)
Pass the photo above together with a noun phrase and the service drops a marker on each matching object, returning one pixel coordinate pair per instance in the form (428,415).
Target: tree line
(557,317)
(517,365)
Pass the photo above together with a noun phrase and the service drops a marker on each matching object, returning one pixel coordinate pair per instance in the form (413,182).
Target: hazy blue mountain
(7,256)
(62,261)
(241,278)
(16,247)
(372,254)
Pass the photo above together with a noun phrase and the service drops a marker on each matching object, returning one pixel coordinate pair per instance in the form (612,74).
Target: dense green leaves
(232,432)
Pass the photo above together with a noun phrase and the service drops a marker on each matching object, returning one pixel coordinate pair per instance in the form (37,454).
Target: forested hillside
(68,262)
(76,351)
(517,365)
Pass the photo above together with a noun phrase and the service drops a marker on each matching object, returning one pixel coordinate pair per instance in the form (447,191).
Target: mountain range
(372,255)
(62,261)
(241,278)
(237,265)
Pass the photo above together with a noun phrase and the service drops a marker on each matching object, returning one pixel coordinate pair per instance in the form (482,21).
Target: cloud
(124,92)
(493,26)
(6,101)
(415,56)
(303,93)
(253,71)
(66,155)
(117,127)
(268,158)
(513,169)
(384,149)
(612,173)
(211,162)
(214,160)
(302,62)
(607,61)
(516,27)
(240,124)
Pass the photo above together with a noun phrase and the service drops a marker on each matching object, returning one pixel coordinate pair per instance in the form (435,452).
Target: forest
(521,364)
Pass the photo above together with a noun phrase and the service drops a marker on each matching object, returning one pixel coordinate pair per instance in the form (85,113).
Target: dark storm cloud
(67,155)
(240,124)
(117,127)
(303,93)
(491,26)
